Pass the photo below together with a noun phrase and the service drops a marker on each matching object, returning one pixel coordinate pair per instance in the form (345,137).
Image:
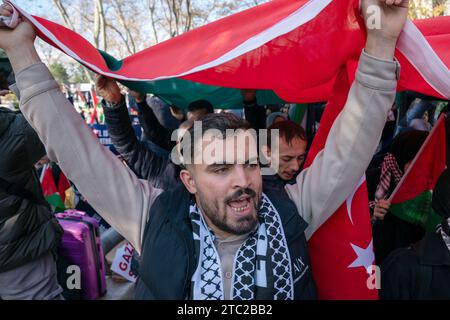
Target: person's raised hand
(385,20)
(12,39)
(108,89)
(177,113)
(139,97)
(248,95)
(381,209)
(18,43)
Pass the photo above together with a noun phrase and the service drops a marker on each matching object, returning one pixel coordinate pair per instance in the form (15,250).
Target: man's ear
(188,181)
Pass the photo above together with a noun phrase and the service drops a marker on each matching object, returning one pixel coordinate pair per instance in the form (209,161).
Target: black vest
(168,256)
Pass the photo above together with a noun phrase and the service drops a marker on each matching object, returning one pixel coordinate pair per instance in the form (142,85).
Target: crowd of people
(218,230)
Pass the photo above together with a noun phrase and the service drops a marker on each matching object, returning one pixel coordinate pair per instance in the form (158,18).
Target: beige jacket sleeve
(336,171)
(111,188)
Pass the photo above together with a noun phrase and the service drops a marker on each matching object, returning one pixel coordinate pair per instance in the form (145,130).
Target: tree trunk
(128,40)
(69,24)
(152,7)
(63,13)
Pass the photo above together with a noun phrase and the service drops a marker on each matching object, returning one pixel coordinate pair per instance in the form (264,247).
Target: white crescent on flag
(350,199)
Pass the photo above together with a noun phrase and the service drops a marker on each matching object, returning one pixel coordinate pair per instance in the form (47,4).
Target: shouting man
(218,236)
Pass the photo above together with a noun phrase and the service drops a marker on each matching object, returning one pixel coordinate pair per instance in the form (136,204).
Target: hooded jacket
(27,230)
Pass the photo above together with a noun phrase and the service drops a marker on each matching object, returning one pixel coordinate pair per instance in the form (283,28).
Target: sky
(36,6)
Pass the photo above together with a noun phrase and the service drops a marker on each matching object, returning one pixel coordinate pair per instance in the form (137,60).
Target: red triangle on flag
(48,182)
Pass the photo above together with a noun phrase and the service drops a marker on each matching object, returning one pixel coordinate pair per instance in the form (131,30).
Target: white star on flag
(365,257)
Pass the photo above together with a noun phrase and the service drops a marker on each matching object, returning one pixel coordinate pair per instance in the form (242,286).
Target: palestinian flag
(95,102)
(63,185)
(50,190)
(411,200)
(288,50)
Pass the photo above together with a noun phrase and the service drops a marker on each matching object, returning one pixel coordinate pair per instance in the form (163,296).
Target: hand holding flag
(381,209)
(8,35)
(18,43)
(108,89)
(382,39)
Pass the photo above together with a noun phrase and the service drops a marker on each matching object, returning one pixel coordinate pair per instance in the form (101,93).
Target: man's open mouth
(240,205)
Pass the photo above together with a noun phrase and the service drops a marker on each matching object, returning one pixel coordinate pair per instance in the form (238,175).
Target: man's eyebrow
(289,156)
(252,160)
(216,165)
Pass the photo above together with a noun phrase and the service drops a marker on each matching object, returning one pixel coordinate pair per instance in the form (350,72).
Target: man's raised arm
(110,187)
(336,171)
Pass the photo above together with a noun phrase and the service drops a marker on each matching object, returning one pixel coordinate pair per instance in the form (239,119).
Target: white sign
(85,87)
(122,262)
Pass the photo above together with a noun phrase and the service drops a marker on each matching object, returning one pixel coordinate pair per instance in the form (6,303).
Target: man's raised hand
(108,89)
(139,97)
(11,39)
(382,38)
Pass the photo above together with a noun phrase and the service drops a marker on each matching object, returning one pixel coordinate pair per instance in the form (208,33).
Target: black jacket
(421,272)
(27,230)
(168,255)
(154,131)
(274,182)
(145,162)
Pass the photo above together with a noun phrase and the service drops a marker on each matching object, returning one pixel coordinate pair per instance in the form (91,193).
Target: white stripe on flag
(413,45)
(301,16)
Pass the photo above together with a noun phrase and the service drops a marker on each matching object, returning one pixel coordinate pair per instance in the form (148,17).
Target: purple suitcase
(81,246)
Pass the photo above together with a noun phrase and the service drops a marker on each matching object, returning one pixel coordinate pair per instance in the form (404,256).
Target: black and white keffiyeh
(445,236)
(262,265)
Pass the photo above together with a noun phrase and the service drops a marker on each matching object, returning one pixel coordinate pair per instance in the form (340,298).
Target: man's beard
(244,225)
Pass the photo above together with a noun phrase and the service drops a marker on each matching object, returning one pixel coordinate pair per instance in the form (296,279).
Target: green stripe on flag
(418,211)
(56,202)
(182,92)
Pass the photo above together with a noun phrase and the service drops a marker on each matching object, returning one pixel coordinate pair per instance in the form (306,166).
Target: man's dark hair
(218,121)
(201,105)
(222,122)
(288,130)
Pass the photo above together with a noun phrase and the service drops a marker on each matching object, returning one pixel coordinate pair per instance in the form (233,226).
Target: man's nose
(295,165)
(240,177)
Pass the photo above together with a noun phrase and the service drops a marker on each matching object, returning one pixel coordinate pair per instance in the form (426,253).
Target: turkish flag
(341,249)
(293,48)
